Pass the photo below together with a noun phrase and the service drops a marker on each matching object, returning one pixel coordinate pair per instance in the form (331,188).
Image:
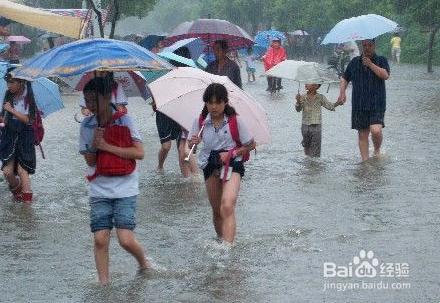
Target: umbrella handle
(194,145)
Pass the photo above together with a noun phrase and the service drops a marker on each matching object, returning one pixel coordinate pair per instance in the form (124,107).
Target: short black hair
(8,75)
(223,44)
(99,85)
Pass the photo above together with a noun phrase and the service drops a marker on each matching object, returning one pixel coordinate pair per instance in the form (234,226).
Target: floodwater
(294,214)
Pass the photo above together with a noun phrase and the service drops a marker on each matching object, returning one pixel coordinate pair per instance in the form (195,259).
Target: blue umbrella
(46,93)
(179,59)
(360,28)
(257,50)
(264,38)
(82,56)
(151,41)
(3,47)
(195,47)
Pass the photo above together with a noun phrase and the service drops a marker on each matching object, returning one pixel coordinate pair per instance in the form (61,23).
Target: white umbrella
(184,101)
(360,28)
(301,71)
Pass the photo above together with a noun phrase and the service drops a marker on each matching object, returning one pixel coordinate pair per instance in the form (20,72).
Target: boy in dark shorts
(170,130)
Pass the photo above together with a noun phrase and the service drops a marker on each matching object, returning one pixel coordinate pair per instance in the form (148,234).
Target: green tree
(427,14)
(126,8)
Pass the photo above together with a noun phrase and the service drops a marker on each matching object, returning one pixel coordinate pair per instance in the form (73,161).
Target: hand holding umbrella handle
(194,145)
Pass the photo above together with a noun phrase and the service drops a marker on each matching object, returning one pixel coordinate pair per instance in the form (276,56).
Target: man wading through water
(367,73)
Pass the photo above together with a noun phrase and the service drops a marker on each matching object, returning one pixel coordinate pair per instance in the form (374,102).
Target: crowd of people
(111,144)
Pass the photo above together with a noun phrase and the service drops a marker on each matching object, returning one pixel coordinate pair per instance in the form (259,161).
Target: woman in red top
(274,55)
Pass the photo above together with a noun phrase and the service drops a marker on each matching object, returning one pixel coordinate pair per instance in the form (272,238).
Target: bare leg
(128,242)
(253,77)
(307,151)
(377,137)
(102,240)
(227,209)
(25,180)
(214,189)
(8,172)
(187,168)
(163,153)
(363,143)
(184,166)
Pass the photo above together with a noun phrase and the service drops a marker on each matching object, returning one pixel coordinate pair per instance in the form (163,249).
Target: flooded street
(293,214)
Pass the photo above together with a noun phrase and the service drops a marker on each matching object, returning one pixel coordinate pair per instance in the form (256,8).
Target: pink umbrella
(210,30)
(18,39)
(184,102)
(133,83)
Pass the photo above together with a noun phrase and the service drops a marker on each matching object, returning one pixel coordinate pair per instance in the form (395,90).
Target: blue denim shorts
(106,213)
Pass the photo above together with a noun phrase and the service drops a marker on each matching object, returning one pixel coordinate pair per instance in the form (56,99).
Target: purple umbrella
(210,30)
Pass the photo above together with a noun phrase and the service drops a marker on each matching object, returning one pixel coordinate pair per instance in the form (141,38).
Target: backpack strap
(116,116)
(115,90)
(233,128)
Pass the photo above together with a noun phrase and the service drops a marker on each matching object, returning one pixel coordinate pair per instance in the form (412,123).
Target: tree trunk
(115,18)
(99,14)
(431,46)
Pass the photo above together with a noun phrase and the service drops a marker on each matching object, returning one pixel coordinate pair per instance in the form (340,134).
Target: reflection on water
(294,212)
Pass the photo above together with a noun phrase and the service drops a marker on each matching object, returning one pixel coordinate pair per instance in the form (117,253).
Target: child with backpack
(226,145)
(17,142)
(111,144)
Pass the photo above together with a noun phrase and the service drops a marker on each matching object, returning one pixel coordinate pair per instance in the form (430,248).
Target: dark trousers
(273,83)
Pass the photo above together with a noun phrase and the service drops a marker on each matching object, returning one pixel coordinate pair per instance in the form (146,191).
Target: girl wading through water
(226,145)
(17,149)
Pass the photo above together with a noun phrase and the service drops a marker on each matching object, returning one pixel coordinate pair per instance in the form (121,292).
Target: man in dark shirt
(222,65)
(367,73)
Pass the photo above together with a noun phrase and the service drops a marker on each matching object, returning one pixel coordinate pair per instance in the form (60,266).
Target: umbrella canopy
(46,93)
(210,30)
(195,47)
(83,56)
(18,39)
(151,41)
(132,82)
(173,59)
(360,28)
(301,71)
(184,102)
(266,37)
(257,51)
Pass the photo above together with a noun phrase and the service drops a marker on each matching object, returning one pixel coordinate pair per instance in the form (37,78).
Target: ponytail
(30,100)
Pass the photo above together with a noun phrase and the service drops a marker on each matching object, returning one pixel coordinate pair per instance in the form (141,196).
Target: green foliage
(139,8)
(168,14)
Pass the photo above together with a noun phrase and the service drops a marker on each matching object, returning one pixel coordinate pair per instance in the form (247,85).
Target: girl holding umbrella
(17,149)
(221,156)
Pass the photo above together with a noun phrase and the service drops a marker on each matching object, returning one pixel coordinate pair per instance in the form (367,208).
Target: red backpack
(37,127)
(233,127)
(108,164)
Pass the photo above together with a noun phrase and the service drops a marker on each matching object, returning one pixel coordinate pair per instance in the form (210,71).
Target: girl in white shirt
(221,152)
